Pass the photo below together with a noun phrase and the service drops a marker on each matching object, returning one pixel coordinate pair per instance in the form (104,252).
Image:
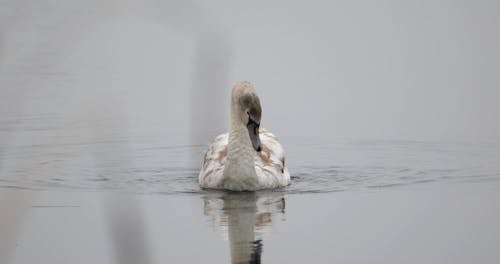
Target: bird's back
(269,163)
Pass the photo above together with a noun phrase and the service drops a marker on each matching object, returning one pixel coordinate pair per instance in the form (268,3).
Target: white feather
(232,163)
(270,164)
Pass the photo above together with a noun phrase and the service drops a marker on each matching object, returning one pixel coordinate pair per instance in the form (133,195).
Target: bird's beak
(253,132)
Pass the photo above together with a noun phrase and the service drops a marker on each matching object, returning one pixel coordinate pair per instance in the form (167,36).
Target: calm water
(126,190)
(136,200)
(150,167)
(106,109)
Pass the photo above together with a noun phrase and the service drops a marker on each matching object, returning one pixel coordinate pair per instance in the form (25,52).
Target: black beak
(253,132)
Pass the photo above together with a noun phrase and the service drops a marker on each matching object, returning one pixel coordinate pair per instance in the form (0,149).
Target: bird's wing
(213,162)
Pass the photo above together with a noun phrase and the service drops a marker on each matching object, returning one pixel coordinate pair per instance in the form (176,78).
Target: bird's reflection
(244,219)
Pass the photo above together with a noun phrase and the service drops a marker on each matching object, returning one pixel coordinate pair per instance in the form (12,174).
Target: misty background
(412,70)
(387,110)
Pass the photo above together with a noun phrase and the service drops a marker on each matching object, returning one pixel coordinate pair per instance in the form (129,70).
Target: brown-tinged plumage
(248,157)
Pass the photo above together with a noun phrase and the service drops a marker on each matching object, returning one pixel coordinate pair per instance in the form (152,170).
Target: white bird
(247,158)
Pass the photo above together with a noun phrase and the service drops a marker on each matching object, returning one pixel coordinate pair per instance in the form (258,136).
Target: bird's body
(247,158)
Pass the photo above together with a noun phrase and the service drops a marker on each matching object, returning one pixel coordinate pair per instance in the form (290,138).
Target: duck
(247,158)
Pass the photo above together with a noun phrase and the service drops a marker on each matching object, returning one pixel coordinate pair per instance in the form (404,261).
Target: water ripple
(108,165)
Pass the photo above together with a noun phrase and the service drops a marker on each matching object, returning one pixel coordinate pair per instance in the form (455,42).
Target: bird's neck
(239,170)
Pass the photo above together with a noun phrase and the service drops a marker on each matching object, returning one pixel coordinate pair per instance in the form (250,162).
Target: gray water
(125,199)
(388,113)
(153,168)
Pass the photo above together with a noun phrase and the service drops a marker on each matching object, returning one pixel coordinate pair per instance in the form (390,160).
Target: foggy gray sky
(91,89)
(324,69)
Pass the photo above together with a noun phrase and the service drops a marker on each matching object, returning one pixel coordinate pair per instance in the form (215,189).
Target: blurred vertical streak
(127,228)
(212,66)
(13,203)
(1,49)
(123,213)
(13,208)
(3,134)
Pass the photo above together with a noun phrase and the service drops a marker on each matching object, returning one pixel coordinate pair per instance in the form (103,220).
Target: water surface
(106,109)
(149,166)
